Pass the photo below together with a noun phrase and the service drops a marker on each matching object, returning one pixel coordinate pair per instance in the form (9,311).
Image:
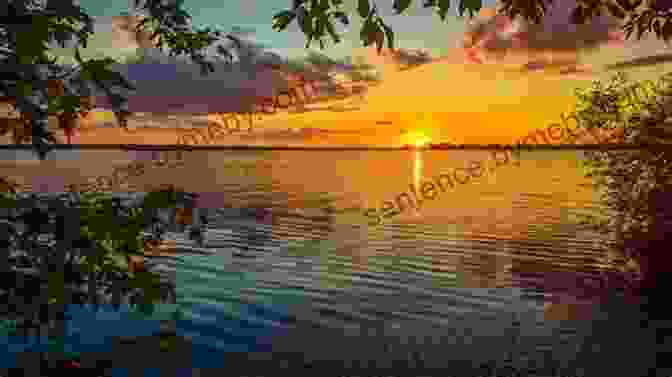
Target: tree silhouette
(636,185)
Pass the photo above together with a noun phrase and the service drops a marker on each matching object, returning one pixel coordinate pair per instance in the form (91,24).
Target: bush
(635,185)
(77,248)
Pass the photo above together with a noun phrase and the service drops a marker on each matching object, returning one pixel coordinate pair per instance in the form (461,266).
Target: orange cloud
(391,61)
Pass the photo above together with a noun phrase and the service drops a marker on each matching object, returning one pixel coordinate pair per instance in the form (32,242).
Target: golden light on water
(419,139)
(417,167)
(417,171)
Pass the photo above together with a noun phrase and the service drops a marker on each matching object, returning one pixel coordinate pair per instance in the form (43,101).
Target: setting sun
(416,138)
(422,141)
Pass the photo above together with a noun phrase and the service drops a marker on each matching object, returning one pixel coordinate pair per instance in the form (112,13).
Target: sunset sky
(428,101)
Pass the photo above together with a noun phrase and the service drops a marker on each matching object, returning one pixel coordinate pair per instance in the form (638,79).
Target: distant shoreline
(171,147)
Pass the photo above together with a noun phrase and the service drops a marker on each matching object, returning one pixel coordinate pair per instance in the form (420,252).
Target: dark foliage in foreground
(78,248)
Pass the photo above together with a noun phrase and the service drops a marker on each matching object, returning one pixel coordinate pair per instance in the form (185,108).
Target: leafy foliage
(79,247)
(138,57)
(26,31)
(636,185)
(321,61)
(315,17)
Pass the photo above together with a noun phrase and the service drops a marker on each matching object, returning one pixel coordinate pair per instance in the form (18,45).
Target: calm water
(472,280)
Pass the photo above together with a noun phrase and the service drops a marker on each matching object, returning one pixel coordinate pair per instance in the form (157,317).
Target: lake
(492,277)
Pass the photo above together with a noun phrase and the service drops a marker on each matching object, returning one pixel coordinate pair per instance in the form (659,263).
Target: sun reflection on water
(417,174)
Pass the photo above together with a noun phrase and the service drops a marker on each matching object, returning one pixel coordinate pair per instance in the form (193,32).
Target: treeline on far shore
(542,146)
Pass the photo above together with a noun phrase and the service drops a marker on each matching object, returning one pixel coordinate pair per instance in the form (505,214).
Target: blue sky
(417,28)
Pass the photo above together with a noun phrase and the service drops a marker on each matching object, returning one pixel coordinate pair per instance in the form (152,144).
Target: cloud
(391,61)
(494,37)
(178,86)
(406,59)
(240,41)
(169,84)
(174,84)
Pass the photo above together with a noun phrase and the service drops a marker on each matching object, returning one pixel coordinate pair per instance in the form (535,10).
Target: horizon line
(174,147)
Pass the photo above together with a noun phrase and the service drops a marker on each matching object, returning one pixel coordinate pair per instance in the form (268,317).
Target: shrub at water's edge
(635,185)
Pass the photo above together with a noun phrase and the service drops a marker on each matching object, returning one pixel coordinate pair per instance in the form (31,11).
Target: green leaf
(55,286)
(79,59)
(341,16)
(363,8)
(390,36)
(282,20)
(444,5)
(149,282)
(364,32)
(332,32)
(371,32)
(320,25)
(401,5)
(306,24)
(31,40)
(23,88)
(7,201)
